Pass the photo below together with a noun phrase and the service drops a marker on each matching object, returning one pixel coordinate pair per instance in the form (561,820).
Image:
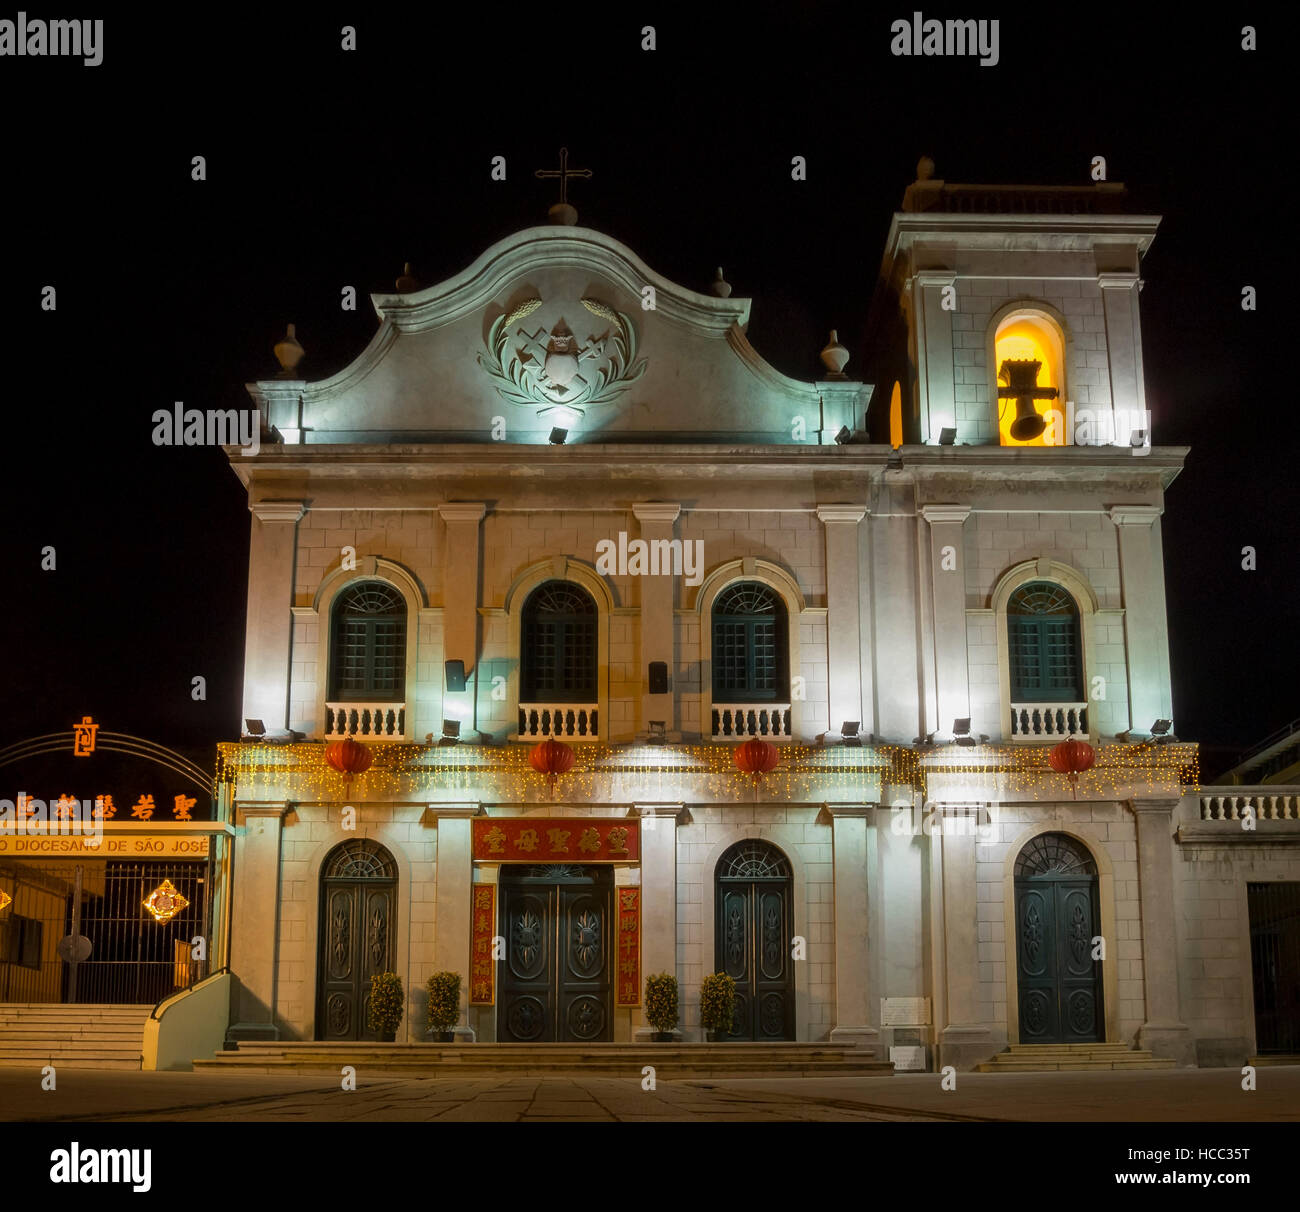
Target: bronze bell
(1021,376)
(1028,423)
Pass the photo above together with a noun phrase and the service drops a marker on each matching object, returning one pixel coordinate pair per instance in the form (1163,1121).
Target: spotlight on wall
(559,436)
(961,732)
(924,742)
(1162,732)
(658,730)
(849,732)
(1125,737)
(454,676)
(843,436)
(450,732)
(1138,438)
(947,437)
(255,728)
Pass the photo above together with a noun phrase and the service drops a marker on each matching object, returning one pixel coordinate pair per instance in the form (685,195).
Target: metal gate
(135,958)
(1275,964)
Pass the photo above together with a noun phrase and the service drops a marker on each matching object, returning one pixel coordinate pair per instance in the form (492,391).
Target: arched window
(750,645)
(1029,355)
(1054,854)
(558,653)
(1043,645)
(368,644)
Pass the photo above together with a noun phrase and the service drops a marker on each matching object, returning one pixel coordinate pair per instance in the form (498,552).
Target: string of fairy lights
(705,772)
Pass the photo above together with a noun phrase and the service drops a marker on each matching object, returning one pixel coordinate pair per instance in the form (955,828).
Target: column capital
(1124,280)
(934,277)
(462,511)
(455,812)
(1154,807)
(656,511)
(851,811)
(262,808)
(935,514)
(277,511)
(841,513)
(671,812)
(1134,515)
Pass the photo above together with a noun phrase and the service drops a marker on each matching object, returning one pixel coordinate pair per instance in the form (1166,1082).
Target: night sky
(327,169)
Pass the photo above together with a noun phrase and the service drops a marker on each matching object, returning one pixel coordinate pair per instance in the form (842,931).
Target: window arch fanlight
(359,859)
(753,859)
(750,645)
(1022,338)
(559,657)
(368,644)
(1043,644)
(1054,854)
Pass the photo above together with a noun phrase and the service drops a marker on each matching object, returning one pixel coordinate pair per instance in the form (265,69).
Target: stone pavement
(1159,1096)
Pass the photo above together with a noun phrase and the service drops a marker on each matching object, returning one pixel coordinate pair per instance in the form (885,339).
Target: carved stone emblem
(553,368)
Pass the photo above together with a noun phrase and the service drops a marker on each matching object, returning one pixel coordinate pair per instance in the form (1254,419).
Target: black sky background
(327,169)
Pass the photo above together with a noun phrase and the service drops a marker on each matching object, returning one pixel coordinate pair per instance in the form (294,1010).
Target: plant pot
(662,1037)
(387,1037)
(711,1037)
(444,1037)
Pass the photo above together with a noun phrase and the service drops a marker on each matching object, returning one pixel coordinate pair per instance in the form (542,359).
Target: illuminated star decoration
(5,899)
(164,902)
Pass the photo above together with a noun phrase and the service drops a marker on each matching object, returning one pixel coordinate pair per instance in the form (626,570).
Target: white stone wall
(795,830)
(1108,827)
(1087,369)
(1215,981)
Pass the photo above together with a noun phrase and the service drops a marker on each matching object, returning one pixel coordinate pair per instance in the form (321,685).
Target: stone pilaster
(934,361)
(964,1040)
(1119,298)
(656,519)
(268,640)
(850,833)
(948,578)
(843,615)
(1163,1032)
(658,897)
(255,907)
(1146,627)
(461,580)
(452,907)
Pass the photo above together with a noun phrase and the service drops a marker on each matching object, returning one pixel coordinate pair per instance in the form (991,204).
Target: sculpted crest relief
(534,365)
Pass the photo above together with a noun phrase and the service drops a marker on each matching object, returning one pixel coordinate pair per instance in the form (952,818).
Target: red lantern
(756,758)
(349,757)
(1073,758)
(551,758)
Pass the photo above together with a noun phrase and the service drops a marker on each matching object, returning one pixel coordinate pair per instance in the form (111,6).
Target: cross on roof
(564,172)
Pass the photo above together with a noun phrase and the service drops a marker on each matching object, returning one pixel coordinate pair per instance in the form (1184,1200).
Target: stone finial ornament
(835,357)
(924,168)
(407,283)
(720,287)
(289,353)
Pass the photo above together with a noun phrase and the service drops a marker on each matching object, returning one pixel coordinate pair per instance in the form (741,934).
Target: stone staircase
(79,1037)
(1048,1058)
(495,1060)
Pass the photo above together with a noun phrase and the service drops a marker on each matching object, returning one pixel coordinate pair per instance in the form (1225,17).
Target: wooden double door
(1058,981)
(557,980)
(752,946)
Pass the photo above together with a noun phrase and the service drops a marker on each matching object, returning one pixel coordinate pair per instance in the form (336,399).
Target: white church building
(561,498)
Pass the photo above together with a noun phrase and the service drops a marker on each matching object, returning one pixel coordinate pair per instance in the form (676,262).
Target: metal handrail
(188,988)
(1268,742)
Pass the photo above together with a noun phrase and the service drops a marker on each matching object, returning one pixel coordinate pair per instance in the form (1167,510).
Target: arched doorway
(1057,917)
(752,939)
(358,914)
(557,981)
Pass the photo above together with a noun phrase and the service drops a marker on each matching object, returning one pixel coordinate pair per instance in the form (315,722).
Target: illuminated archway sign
(164,902)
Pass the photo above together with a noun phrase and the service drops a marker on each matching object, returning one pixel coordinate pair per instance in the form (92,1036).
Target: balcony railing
(1048,721)
(1264,804)
(740,721)
(564,721)
(365,719)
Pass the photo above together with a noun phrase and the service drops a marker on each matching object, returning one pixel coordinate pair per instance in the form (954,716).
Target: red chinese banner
(482,968)
(568,839)
(629,946)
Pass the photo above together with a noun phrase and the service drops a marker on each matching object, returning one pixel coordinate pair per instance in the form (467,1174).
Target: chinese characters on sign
(629,947)
(83,737)
(556,840)
(482,968)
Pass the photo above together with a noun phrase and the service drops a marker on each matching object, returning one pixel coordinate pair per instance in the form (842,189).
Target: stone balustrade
(1277,803)
(1048,721)
(740,721)
(563,721)
(365,720)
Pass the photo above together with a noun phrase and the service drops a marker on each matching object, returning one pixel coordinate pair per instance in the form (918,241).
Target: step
(37,1034)
(1273,1059)
(80,1063)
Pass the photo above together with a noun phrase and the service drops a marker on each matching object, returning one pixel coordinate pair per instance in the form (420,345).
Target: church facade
(560,543)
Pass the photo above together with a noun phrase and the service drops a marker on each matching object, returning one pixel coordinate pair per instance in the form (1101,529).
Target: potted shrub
(384,1005)
(444,1005)
(717,1005)
(661,1005)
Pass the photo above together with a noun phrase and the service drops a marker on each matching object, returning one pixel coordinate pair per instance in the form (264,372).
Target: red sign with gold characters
(566,839)
(629,947)
(482,968)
